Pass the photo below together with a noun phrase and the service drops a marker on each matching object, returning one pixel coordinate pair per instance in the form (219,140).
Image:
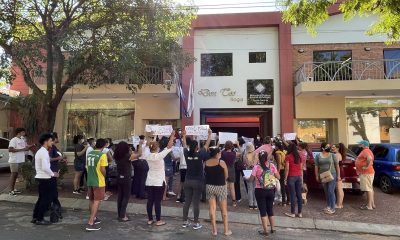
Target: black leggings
(193,189)
(124,192)
(265,201)
(154,197)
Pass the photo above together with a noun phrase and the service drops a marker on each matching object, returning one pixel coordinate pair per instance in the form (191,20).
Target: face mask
(82,140)
(258,138)
(179,132)
(327,149)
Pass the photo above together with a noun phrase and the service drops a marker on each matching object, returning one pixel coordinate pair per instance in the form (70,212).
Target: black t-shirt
(195,170)
(79,159)
(124,167)
(53,153)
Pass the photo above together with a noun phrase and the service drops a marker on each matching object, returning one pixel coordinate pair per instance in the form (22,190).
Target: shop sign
(224,92)
(260,92)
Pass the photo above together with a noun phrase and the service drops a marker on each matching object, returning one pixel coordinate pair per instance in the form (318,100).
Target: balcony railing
(348,70)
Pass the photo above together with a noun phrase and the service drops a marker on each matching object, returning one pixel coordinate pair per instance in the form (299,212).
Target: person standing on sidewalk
(327,165)
(228,155)
(249,160)
(55,158)
(124,156)
(340,153)
(44,176)
(17,148)
(79,161)
(265,175)
(365,169)
(96,169)
(155,182)
(194,178)
(280,156)
(216,175)
(294,179)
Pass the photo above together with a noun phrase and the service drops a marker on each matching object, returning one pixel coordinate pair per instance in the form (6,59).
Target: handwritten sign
(248,140)
(135,141)
(205,137)
(165,130)
(151,128)
(227,136)
(289,136)
(197,130)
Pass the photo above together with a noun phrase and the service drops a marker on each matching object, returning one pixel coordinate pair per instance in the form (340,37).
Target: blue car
(387,166)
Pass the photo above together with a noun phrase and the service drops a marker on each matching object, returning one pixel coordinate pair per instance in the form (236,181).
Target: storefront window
(216,64)
(99,119)
(312,131)
(371,118)
(392,63)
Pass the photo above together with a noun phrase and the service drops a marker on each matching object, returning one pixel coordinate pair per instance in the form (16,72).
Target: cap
(364,142)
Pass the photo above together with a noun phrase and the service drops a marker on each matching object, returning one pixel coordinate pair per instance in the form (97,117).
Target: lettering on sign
(225,92)
(207,93)
(197,130)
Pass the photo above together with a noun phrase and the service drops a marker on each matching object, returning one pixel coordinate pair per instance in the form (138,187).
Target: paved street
(15,225)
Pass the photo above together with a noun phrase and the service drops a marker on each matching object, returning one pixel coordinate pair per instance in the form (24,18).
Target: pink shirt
(257,172)
(266,148)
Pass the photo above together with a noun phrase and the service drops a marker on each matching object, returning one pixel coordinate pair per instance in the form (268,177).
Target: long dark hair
(192,148)
(213,151)
(292,149)
(342,150)
(121,150)
(263,157)
(77,138)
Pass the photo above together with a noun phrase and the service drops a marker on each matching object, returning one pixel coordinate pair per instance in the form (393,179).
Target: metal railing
(348,70)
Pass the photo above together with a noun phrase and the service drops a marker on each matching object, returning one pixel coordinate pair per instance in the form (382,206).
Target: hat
(364,142)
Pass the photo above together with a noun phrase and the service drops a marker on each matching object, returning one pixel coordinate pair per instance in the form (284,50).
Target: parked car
(4,152)
(350,178)
(387,166)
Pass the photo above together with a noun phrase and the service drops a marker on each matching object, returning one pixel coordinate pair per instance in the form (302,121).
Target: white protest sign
(135,141)
(197,130)
(165,130)
(227,136)
(248,140)
(205,137)
(151,128)
(289,136)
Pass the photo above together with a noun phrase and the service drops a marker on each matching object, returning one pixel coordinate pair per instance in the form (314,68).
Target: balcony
(349,78)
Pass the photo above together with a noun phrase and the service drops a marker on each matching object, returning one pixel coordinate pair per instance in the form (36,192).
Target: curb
(244,218)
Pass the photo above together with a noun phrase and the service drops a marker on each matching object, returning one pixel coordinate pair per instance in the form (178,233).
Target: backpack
(267,179)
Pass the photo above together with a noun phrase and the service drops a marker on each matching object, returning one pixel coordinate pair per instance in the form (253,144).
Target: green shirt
(326,163)
(94,161)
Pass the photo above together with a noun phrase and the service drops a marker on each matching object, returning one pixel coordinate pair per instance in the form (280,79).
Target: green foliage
(28,172)
(312,13)
(61,43)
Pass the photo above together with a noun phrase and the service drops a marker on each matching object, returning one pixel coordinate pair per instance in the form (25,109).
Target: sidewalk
(245,218)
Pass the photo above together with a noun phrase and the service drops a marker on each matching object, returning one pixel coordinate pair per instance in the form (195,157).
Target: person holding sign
(155,181)
(193,186)
(229,157)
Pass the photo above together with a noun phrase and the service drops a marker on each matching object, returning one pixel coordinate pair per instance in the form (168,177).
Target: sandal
(262,233)
(160,223)
(150,222)
(234,203)
(364,207)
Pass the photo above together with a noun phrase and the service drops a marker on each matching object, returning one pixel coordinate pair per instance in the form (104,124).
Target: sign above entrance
(260,92)
(224,92)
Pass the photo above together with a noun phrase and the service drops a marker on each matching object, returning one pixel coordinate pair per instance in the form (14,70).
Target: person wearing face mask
(79,161)
(326,162)
(258,141)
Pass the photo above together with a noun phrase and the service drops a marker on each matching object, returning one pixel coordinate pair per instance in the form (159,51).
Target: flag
(190,104)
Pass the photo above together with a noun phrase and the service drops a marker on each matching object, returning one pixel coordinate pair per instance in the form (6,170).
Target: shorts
(219,193)
(96,193)
(79,166)
(183,175)
(14,167)
(366,182)
(169,171)
(231,174)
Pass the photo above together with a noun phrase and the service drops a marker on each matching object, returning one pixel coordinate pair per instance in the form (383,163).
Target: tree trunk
(44,118)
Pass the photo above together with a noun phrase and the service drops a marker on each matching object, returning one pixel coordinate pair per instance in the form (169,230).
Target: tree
(62,43)
(312,13)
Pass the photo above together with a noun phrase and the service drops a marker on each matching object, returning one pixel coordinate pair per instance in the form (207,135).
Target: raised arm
(171,140)
(184,143)
(207,144)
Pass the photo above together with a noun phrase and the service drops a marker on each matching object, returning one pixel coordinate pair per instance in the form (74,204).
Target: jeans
(265,199)
(238,174)
(46,196)
(193,189)
(154,197)
(251,193)
(295,184)
(124,192)
(284,189)
(329,189)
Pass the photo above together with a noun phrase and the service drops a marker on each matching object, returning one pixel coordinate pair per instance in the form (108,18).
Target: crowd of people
(273,171)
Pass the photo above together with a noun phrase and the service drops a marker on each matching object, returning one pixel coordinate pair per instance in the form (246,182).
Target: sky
(232,6)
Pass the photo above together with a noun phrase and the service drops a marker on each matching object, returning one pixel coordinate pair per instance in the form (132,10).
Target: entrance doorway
(245,122)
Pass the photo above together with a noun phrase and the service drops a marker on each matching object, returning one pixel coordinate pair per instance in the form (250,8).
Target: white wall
(337,30)
(239,42)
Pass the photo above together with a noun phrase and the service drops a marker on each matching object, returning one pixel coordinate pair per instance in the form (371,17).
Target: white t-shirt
(42,164)
(17,157)
(156,174)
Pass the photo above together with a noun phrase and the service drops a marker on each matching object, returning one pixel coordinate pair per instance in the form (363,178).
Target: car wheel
(386,184)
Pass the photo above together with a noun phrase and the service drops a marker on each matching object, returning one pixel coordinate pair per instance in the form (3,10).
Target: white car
(4,152)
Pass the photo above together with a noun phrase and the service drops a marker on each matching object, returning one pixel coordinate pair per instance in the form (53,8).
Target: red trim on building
(251,20)
(233,119)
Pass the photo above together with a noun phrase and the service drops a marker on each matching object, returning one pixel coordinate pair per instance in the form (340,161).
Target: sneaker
(43,222)
(186,224)
(76,192)
(87,197)
(197,226)
(300,215)
(172,193)
(92,228)
(12,193)
(17,191)
(292,215)
(96,221)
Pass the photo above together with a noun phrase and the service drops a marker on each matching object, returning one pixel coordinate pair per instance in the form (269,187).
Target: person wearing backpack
(327,172)
(280,156)
(265,175)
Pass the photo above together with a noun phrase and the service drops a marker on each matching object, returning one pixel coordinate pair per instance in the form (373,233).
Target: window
(4,143)
(398,156)
(216,64)
(257,57)
(312,131)
(332,65)
(392,63)
(380,152)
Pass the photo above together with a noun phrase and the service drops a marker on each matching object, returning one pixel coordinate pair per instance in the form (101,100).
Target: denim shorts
(79,166)
(169,171)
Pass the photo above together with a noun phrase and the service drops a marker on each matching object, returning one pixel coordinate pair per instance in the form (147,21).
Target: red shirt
(294,169)
(361,162)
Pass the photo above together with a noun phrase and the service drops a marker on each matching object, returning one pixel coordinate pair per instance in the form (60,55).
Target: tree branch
(28,78)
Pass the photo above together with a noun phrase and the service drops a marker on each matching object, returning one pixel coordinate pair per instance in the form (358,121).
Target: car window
(4,143)
(398,155)
(380,152)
